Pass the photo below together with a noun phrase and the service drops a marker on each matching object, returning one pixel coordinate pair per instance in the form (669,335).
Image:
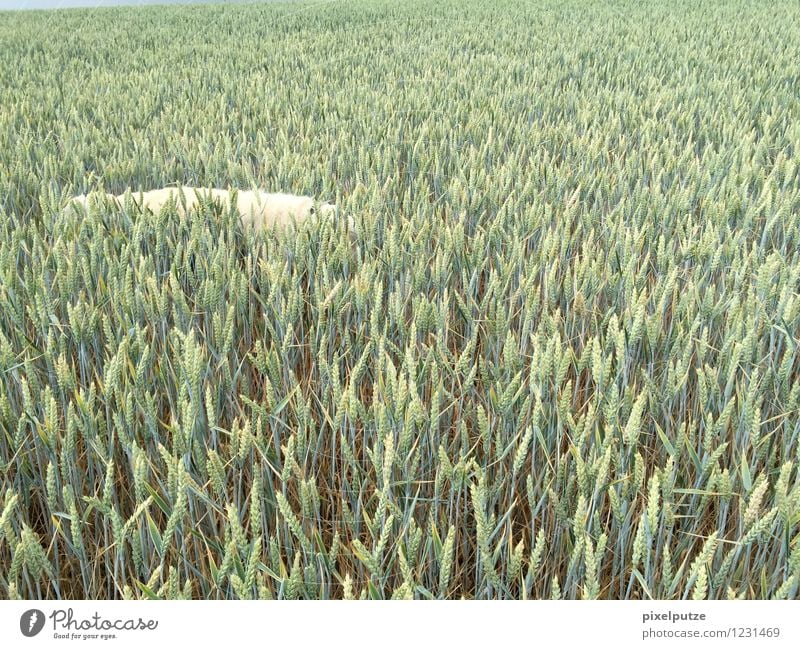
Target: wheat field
(558,359)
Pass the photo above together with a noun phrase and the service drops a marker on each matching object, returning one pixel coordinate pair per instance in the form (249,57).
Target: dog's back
(258,209)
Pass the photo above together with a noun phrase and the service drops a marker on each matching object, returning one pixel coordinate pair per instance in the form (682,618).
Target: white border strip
(400,624)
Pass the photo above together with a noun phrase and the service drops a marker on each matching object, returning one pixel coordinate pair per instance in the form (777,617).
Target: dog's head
(330,210)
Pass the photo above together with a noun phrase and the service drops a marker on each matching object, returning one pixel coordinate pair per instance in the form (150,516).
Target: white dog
(257,209)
